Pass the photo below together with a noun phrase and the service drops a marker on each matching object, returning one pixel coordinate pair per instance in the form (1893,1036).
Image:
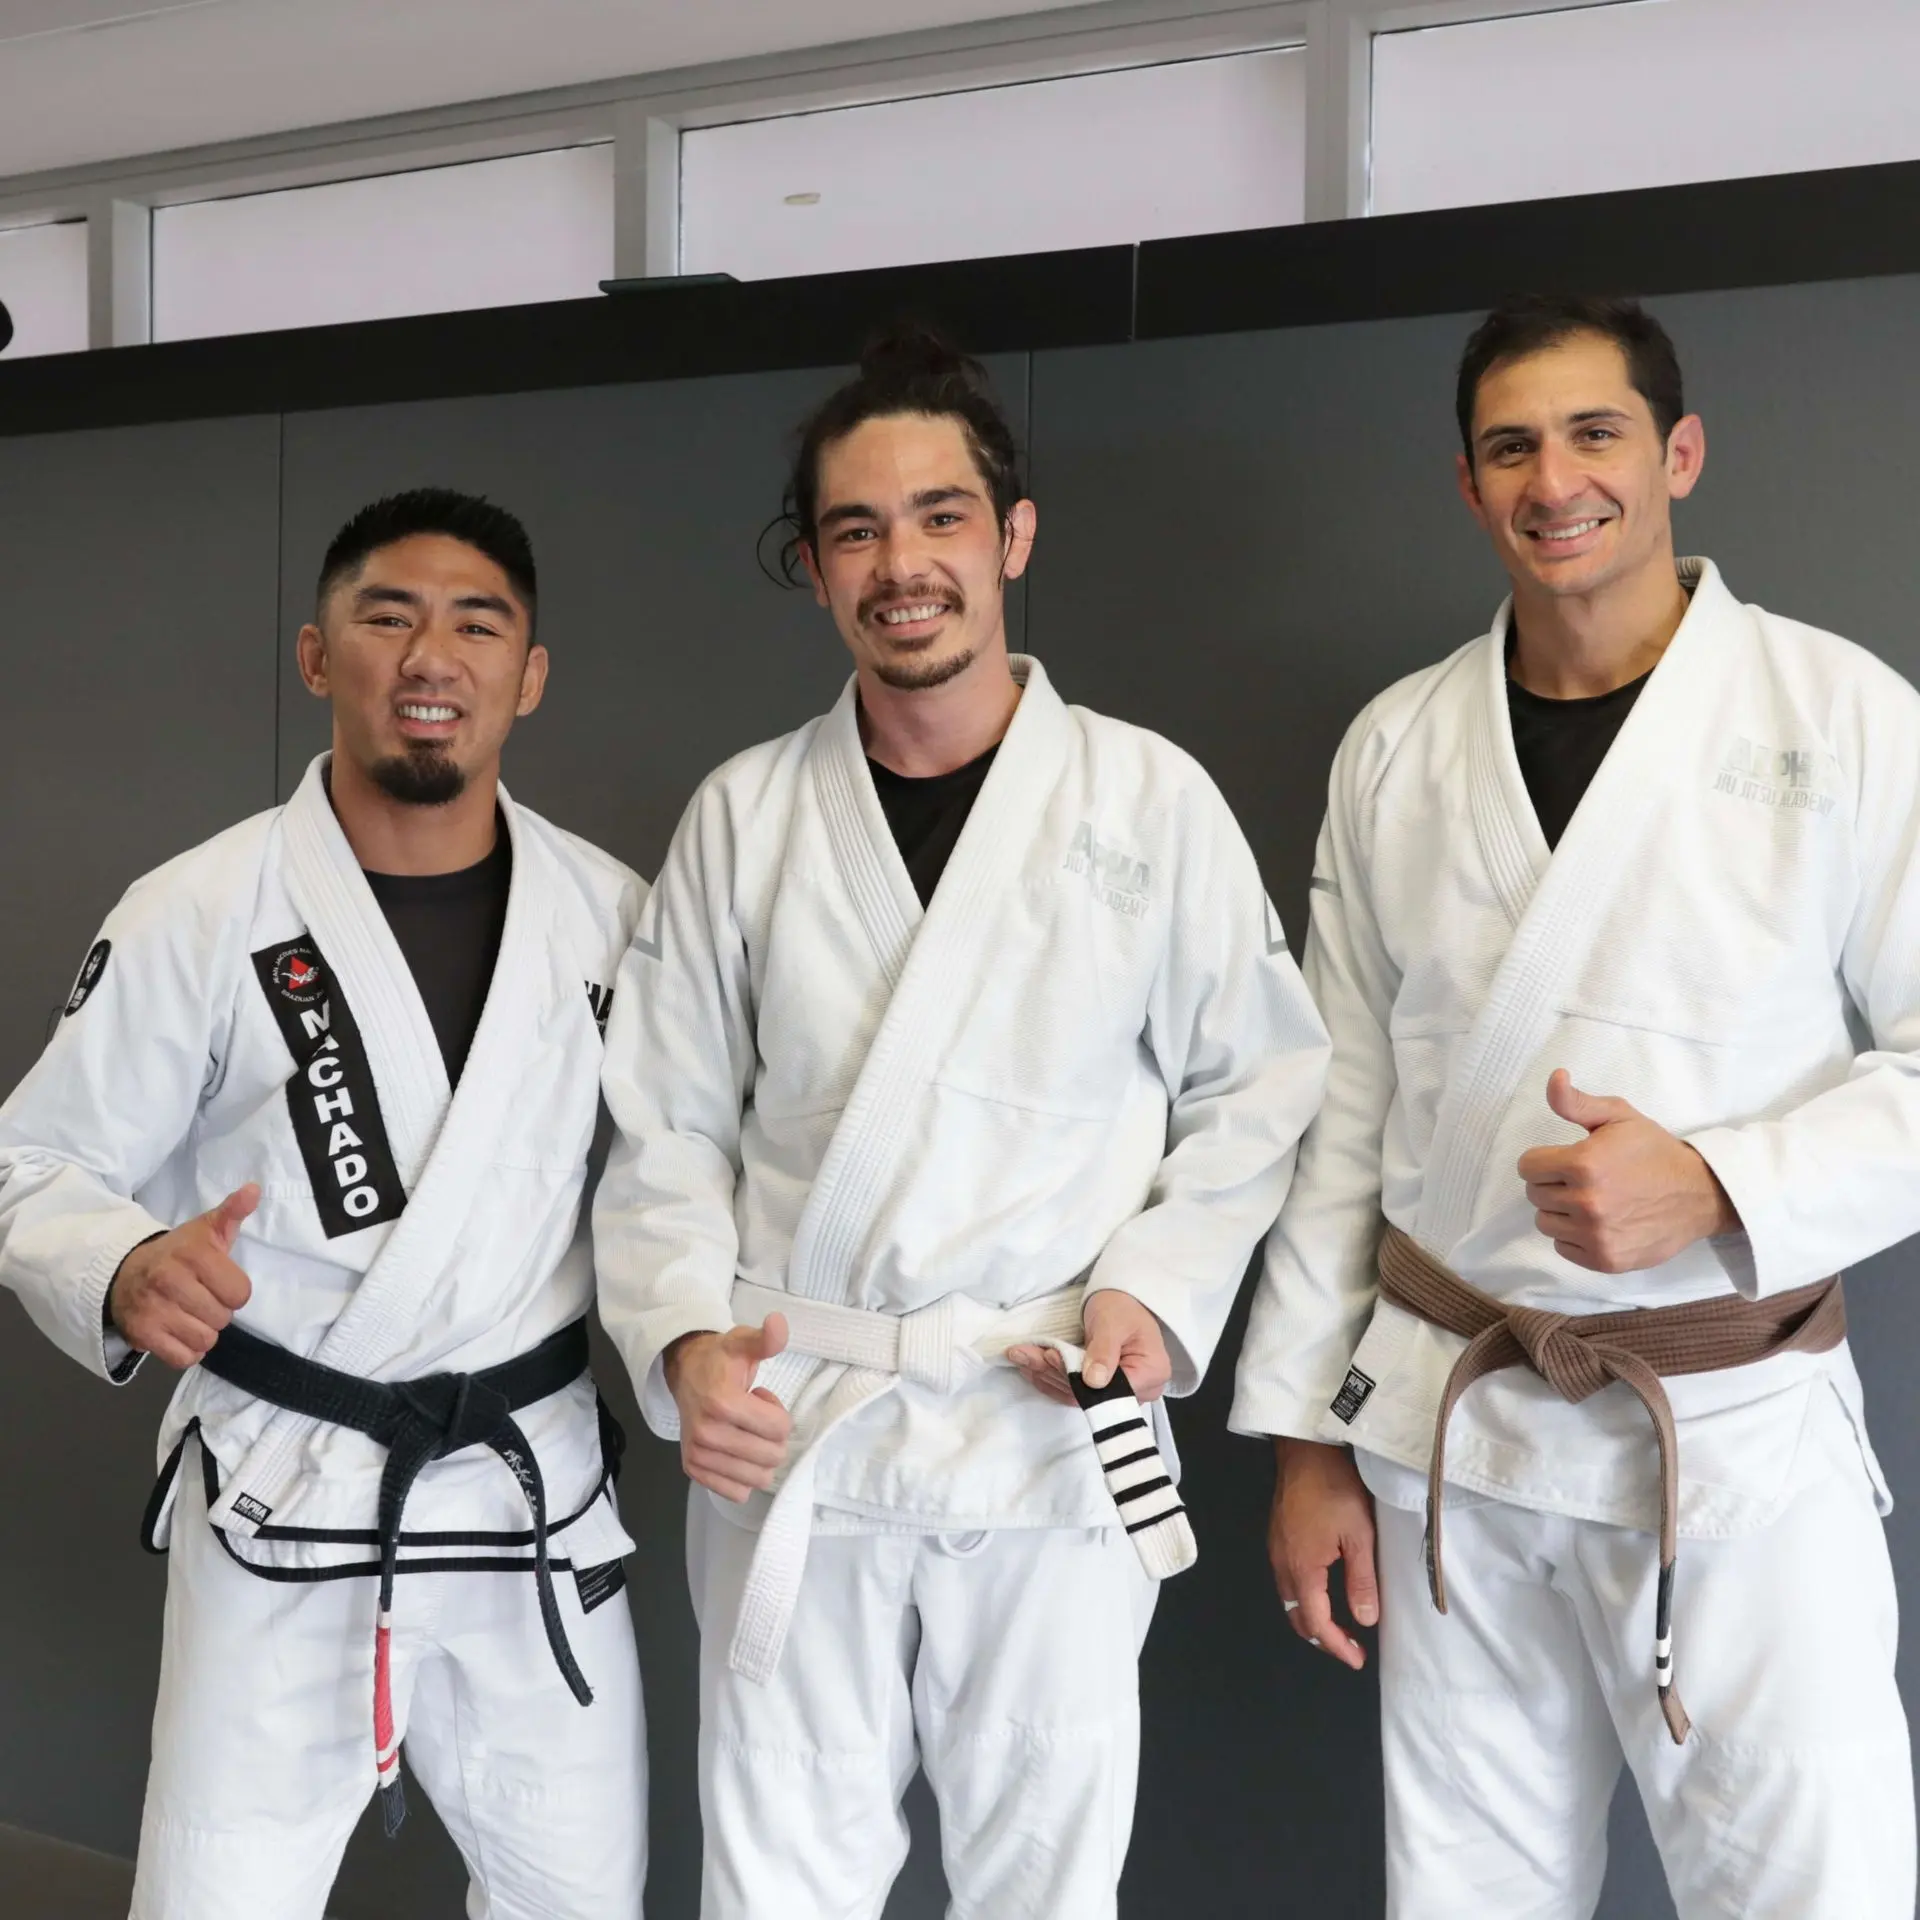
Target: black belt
(418,1421)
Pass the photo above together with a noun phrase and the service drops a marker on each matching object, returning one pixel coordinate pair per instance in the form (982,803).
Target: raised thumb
(754,1344)
(1587,1110)
(231,1211)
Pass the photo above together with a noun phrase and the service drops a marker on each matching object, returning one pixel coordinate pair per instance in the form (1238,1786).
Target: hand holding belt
(1578,1354)
(938,1346)
(418,1421)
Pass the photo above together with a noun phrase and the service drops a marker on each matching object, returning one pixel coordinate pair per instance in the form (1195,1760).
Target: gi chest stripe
(331,1098)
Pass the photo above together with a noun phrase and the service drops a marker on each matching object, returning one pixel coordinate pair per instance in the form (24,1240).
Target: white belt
(938,1346)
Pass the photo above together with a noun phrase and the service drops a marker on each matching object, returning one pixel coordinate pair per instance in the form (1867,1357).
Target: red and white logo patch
(296,972)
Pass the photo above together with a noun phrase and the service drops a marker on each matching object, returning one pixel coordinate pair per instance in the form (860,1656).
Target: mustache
(912,593)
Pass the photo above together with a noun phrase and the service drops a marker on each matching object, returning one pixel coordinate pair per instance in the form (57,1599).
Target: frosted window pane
(495,233)
(1641,95)
(43,284)
(1096,160)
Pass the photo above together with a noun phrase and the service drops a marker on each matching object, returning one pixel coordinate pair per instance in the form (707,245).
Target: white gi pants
(1005,1663)
(1505,1721)
(263,1741)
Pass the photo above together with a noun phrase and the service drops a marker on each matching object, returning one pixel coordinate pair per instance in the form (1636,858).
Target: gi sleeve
(1837,1178)
(679,1067)
(1244,1057)
(105,1107)
(1315,1293)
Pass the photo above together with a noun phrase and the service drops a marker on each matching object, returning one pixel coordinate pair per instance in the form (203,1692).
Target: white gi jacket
(1090,1057)
(400,1232)
(1725,936)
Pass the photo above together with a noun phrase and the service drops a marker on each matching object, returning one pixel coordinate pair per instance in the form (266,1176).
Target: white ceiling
(88,80)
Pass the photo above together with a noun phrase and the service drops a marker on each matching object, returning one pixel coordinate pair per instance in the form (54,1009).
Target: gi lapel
(1504,822)
(1556,918)
(446,1146)
(920,1017)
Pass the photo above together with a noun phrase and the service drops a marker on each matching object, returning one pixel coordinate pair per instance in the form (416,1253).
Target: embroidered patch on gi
(331,1098)
(248,1508)
(599,1584)
(600,999)
(1352,1396)
(1788,779)
(91,968)
(1118,880)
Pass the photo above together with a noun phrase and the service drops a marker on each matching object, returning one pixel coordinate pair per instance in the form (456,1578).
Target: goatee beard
(423,778)
(916,676)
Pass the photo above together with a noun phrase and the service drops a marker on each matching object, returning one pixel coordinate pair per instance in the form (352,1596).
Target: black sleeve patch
(91,969)
(599,1584)
(1352,1396)
(331,1097)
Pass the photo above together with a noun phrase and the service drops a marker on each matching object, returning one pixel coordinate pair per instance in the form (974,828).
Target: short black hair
(908,367)
(465,517)
(1526,323)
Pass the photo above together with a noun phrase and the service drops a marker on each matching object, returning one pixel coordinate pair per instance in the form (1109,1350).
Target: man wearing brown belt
(1613,917)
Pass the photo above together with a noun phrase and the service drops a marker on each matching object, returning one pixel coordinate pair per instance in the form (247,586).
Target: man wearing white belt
(968,1038)
(1614,921)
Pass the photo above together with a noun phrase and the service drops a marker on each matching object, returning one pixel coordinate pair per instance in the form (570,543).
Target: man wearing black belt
(314,1129)
(1614,916)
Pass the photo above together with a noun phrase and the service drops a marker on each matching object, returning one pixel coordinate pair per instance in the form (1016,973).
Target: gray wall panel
(1243,539)
(137,596)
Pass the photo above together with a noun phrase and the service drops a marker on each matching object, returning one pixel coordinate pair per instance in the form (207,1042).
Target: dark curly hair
(907,368)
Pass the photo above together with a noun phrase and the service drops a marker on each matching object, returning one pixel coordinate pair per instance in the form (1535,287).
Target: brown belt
(1578,1354)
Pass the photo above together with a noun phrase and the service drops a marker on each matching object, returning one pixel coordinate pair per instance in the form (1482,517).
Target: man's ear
(1016,549)
(310,651)
(533,680)
(1686,456)
(807,560)
(1469,487)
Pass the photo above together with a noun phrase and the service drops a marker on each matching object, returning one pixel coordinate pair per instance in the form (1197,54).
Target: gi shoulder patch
(331,1098)
(1352,1395)
(91,969)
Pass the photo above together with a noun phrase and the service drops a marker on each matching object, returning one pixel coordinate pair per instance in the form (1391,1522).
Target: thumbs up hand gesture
(1629,1195)
(733,1435)
(172,1295)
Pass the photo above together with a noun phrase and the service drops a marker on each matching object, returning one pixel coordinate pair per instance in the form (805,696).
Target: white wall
(1641,95)
(491,234)
(1104,158)
(43,284)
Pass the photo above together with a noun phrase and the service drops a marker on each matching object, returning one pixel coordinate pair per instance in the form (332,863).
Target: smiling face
(425,654)
(911,558)
(1570,476)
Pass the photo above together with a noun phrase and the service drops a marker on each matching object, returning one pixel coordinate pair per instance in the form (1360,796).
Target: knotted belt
(418,1421)
(1578,1354)
(939,1346)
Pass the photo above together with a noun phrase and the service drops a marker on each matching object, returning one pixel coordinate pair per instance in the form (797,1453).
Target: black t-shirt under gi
(1560,744)
(448,926)
(926,815)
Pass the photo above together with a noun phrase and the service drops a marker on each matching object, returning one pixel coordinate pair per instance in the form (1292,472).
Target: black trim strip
(1078,298)
(1842,223)
(1140,1526)
(370,1570)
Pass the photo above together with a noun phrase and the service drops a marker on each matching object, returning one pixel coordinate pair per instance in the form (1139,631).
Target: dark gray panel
(1242,540)
(671,651)
(137,596)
